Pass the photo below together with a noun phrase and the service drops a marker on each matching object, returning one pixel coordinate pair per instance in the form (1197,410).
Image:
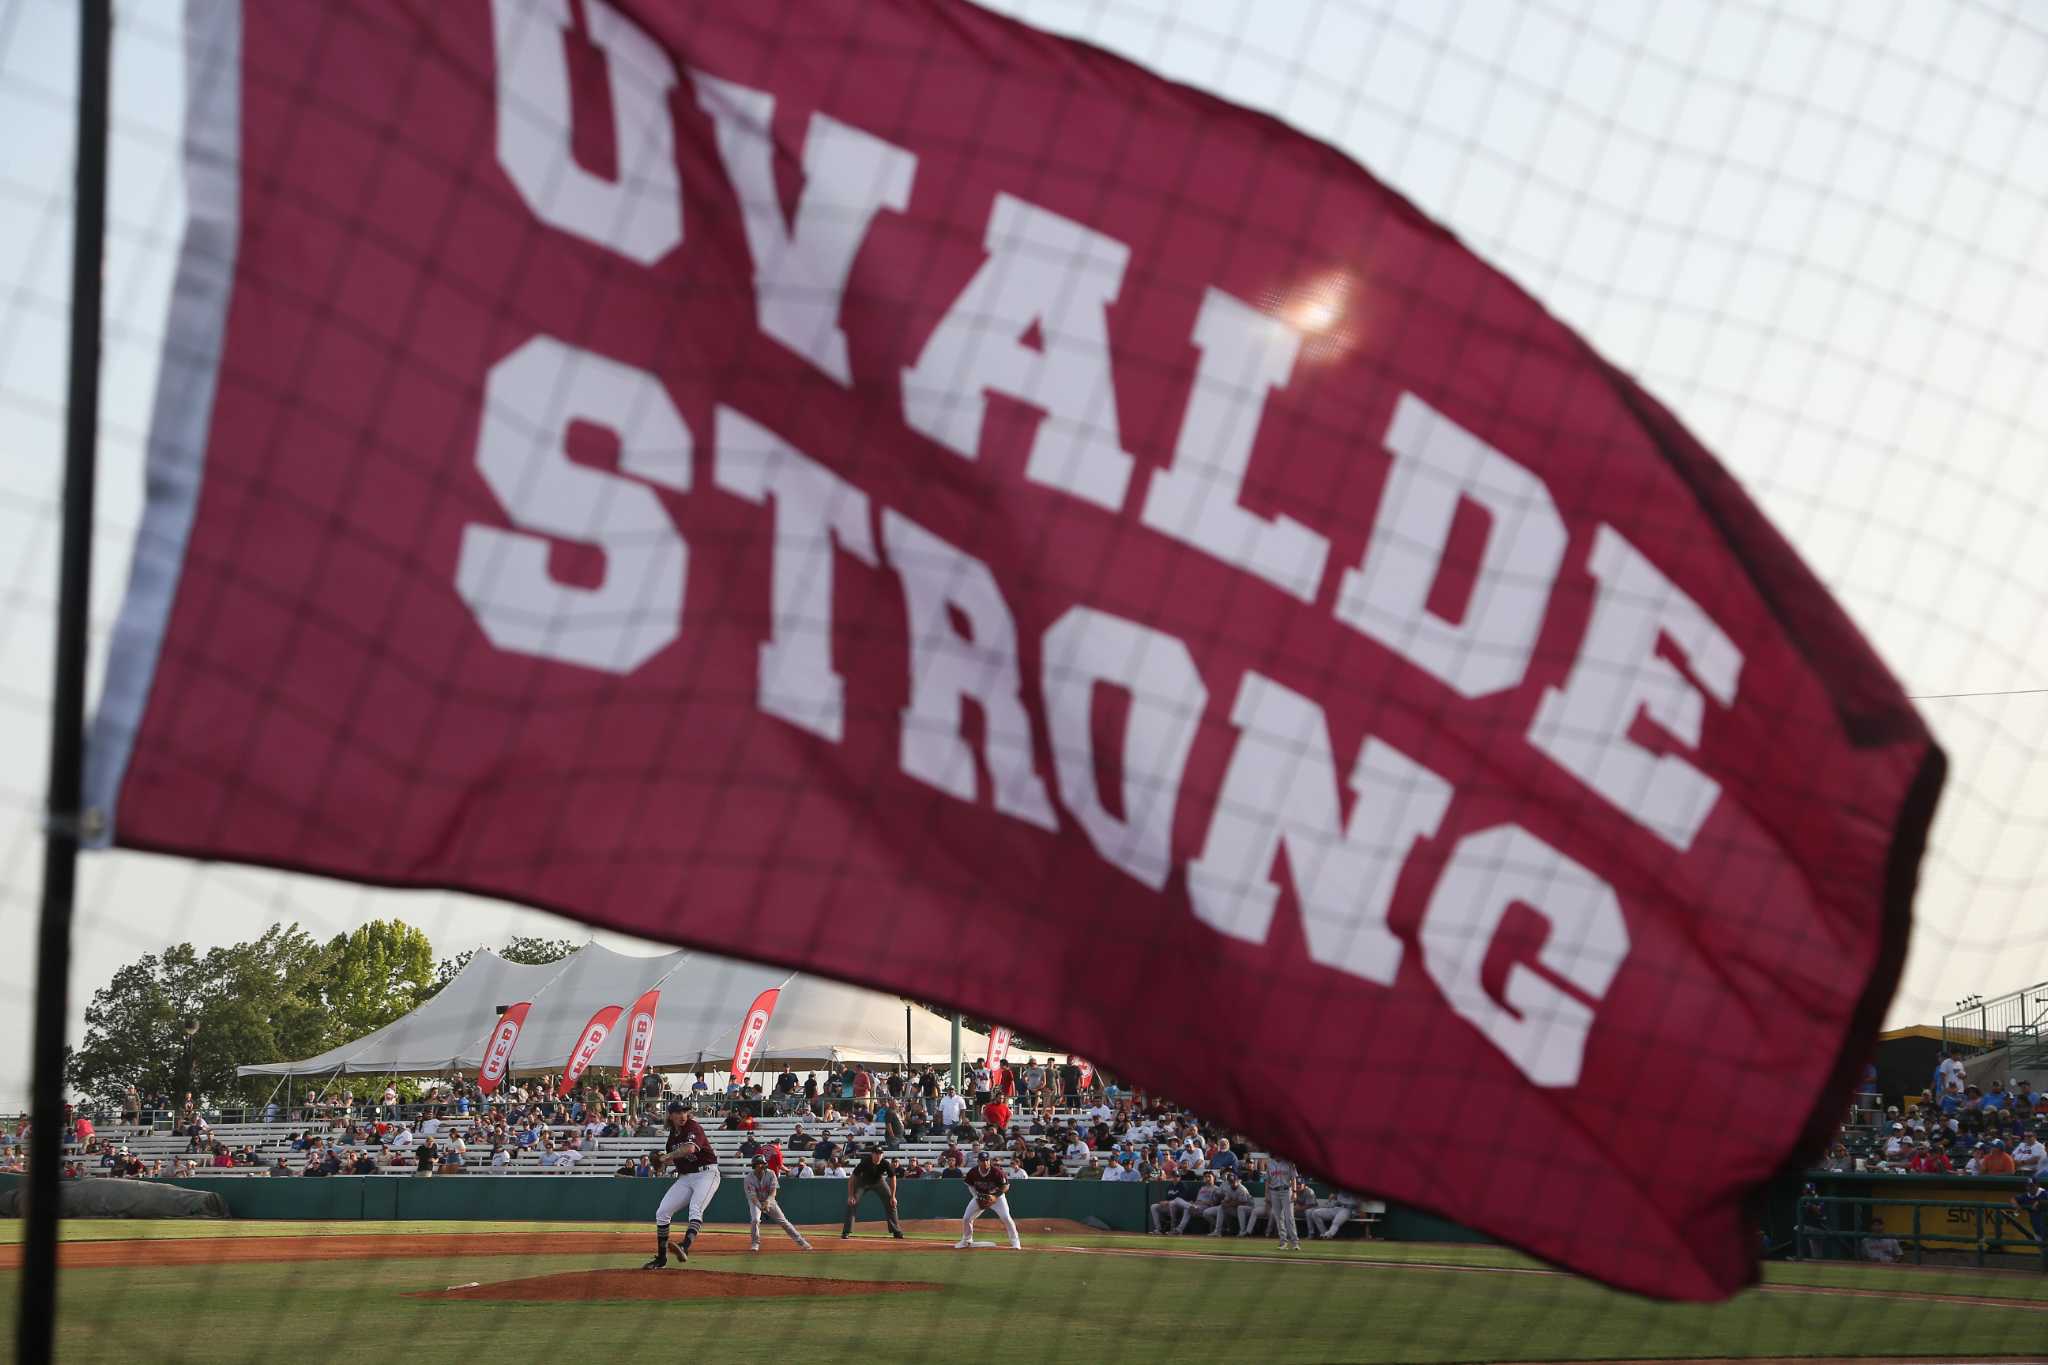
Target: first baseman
(696,1166)
(989,1191)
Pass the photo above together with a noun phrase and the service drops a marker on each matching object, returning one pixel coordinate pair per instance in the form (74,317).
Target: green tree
(373,976)
(534,952)
(522,948)
(179,1020)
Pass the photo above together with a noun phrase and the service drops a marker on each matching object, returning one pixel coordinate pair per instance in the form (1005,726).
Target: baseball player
(1280,1177)
(988,1190)
(872,1172)
(1207,1203)
(761,1187)
(1236,1203)
(1331,1214)
(1164,1211)
(696,1167)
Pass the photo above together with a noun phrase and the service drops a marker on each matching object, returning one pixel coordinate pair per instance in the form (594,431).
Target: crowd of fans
(1950,1128)
(1044,1119)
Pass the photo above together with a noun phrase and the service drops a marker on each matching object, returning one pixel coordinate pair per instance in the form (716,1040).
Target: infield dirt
(587,1286)
(192,1251)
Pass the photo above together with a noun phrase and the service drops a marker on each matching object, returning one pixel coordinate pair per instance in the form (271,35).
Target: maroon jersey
(987,1179)
(686,1162)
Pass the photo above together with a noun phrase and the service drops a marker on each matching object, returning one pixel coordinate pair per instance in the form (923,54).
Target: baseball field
(348,1291)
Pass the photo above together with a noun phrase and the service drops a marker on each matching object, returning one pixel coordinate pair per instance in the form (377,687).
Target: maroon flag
(639,1037)
(498,1048)
(878,489)
(751,1029)
(587,1043)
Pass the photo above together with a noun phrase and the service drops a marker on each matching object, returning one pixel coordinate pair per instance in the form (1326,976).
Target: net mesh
(1819,231)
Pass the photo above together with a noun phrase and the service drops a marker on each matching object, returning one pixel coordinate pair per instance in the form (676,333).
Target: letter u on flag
(751,1029)
(639,1037)
(587,1043)
(1045,531)
(497,1058)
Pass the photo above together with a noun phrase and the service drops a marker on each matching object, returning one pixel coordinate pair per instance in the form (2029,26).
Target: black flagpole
(36,1324)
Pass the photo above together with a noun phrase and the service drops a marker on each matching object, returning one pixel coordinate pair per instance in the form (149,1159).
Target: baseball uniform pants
(1280,1208)
(772,1210)
(1001,1209)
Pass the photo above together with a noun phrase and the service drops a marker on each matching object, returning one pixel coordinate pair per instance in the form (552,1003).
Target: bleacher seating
(600,1157)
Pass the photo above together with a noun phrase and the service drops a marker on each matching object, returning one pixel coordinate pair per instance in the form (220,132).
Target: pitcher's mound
(583,1286)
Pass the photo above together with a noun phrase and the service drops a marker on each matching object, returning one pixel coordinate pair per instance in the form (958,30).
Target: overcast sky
(1817,229)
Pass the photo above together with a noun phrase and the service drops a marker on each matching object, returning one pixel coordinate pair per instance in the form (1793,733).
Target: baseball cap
(678,1106)
(760,1160)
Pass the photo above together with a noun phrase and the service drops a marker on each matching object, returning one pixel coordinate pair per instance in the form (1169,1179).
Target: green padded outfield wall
(623,1200)
(618,1199)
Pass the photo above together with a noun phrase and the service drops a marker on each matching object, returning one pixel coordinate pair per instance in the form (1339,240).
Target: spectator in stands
(278,1167)
(894,1133)
(979,1081)
(1030,1080)
(1928,1160)
(1879,1247)
(1897,1146)
(1070,1081)
(1948,1075)
(1996,1160)
(826,1149)
(997,1113)
(2029,1156)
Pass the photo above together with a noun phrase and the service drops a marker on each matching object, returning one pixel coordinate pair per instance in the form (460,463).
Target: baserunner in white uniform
(696,1168)
(761,1187)
(1280,1177)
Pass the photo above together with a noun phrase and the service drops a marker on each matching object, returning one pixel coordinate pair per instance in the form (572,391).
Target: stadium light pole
(65,820)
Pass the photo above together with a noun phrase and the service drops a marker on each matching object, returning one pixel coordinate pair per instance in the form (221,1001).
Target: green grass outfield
(1249,1303)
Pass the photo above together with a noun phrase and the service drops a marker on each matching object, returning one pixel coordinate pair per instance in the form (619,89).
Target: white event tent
(817,1022)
